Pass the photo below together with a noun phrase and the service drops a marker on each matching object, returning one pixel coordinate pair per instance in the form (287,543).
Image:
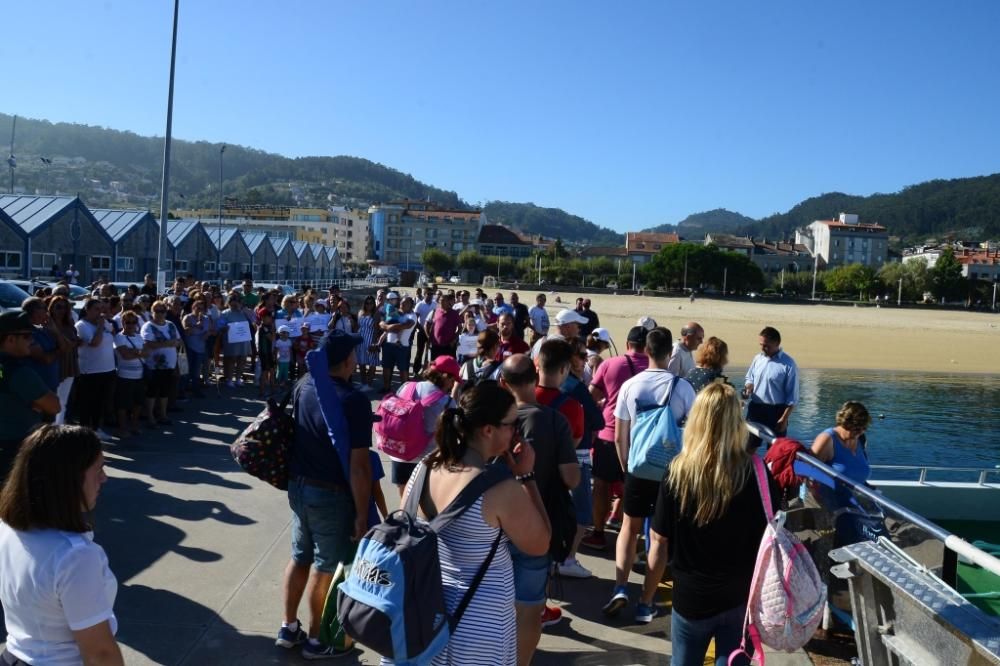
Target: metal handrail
(951,541)
(924,469)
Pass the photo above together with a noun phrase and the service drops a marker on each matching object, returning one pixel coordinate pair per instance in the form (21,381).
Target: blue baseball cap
(338,345)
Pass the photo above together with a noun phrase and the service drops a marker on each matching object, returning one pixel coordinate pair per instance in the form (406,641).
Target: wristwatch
(524,478)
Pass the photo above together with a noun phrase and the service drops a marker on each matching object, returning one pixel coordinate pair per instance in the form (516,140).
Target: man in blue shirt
(772,385)
(329,504)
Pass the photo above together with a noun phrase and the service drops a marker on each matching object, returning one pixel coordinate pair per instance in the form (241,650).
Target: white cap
(392,295)
(647,323)
(284,329)
(567,316)
(601,334)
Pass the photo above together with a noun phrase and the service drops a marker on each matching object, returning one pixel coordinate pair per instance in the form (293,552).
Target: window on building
(42,261)
(126,264)
(273,270)
(246,269)
(10,260)
(181,266)
(393,218)
(224,268)
(100,262)
(209,268)
(456,246)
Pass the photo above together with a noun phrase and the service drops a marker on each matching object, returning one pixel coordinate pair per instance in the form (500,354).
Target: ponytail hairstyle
(484,404)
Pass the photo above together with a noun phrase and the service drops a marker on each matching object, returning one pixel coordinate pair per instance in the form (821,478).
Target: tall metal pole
(899,294)
(815,268)
(12,161)
(539,270)
(685,270)
(218,249)
(994,294)
(161,256)
(633,277)
(725,279)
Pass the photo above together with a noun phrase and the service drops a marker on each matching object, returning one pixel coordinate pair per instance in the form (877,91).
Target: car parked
(11,296)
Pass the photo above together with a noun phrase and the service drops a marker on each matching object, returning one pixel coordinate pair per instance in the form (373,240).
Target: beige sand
(818,336)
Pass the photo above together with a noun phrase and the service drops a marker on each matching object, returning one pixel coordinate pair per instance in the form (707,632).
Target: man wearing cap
(647,323)
(607,470)
(24,397)
(568,322)
(329,504)
(422,310)
(521,317)
(682,356)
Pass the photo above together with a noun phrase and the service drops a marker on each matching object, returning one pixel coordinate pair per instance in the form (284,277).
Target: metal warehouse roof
(279,244)
(179,230)
(228,234)
(316,249)
(253,240)
(331,252)
(32,212)
(118,222)
(299,247)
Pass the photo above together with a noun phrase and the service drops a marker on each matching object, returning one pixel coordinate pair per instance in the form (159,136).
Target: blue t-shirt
(313,455)
(49,372)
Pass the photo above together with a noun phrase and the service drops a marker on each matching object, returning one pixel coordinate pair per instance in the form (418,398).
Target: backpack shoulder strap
(765,493)
(631,365)
(490,476)
(433,397)
(416,490)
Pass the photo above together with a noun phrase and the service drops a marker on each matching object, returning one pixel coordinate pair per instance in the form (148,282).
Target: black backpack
(559,503)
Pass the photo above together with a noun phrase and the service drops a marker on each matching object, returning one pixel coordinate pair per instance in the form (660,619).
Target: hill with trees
(697,225)
(550,222)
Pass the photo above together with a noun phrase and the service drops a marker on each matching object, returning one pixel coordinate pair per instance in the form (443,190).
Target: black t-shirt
(313,455)
(712,565)
(548,433)
(593,321)
(521,319)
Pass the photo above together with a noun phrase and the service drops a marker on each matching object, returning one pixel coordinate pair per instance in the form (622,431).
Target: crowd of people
(499,385)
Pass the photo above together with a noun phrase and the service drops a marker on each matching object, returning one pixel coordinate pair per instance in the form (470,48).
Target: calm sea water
(928,418)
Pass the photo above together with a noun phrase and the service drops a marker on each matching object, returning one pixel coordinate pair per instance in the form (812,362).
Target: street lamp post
(899,294)
(161,255)
(725,280)
(218,249)
(815,269)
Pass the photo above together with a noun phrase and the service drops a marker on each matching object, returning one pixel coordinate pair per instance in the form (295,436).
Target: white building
(845,241)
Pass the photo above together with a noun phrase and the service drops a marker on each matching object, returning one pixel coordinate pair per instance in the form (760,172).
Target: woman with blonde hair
(710,518)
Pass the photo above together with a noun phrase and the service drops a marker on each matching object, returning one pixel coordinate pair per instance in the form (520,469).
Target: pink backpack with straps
(787,595)
(401,433)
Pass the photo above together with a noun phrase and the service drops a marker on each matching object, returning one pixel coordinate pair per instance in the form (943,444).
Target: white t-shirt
(423,309)
(648,388)
(129,368)
(164,358)
(53,583)
(284,349)
(539,319)
(403,337)
(101,358)
(681,360)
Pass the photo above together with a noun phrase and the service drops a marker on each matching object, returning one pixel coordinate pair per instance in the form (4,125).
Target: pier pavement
(199,548)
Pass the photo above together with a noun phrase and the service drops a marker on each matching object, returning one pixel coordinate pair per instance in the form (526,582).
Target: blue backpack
(393,598)
(656,438)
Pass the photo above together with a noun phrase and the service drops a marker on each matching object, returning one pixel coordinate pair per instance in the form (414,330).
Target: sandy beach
(817,336)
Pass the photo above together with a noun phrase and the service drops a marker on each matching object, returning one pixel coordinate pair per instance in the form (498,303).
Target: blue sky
(630,114)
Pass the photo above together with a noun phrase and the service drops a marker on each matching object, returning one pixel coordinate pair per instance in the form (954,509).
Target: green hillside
(550,222)
(699,224)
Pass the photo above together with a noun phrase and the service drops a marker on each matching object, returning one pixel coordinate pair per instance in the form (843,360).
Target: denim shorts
(322,525)
(531,577)
(583,500)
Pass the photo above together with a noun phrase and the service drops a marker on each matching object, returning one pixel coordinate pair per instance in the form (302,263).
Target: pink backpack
(787,595)
(401,433)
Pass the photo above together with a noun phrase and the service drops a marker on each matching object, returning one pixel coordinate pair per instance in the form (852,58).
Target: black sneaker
(289,639)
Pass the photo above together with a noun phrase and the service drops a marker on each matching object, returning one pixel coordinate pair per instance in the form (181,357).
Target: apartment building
(845,241)
(402,230)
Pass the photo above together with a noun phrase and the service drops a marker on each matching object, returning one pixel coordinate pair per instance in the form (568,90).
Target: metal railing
(922,471)
(954,545)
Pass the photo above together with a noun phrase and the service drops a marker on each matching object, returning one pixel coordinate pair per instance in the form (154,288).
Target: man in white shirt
(647,388)
(422,310)
(682,357)
(539,319)
(396,348)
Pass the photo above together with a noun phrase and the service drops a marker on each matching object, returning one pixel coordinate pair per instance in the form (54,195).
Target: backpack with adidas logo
(393,598)
(656,438)
(262,449)
(787,595)
(400,432)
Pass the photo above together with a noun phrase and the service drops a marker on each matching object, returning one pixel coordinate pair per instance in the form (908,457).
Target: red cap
(448,365)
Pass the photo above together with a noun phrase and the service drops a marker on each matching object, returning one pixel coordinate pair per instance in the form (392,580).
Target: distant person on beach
(682,356)
(771,385)
(329,504)
(57,589)
(593,321)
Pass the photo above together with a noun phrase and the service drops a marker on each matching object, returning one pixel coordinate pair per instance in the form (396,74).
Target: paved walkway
(199,548)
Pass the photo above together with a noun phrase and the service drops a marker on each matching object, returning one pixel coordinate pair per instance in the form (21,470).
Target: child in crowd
(390,315)
(302,345)
(283,352)
(468,338)
(265,351)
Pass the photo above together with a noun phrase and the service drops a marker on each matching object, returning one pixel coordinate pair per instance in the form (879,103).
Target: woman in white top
(130,389)
(161,340)
(96,381)
(58,592)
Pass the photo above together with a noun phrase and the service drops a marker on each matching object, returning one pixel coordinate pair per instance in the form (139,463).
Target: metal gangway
(903,613)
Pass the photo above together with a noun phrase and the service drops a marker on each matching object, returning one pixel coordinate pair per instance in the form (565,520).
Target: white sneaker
(572,568)
(103,436)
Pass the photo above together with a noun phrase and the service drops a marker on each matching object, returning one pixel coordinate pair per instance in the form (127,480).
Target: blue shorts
(396,356)
(322,525)
(531,577)
(583,500)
